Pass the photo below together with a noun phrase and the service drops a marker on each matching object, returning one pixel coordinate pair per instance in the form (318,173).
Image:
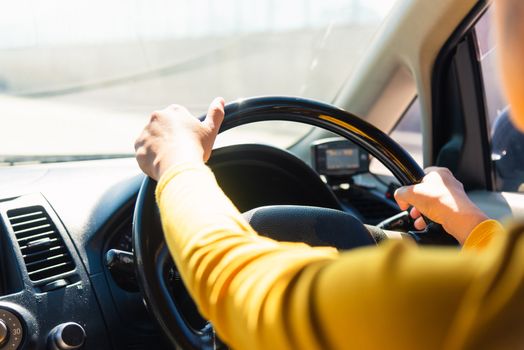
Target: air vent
(43,249)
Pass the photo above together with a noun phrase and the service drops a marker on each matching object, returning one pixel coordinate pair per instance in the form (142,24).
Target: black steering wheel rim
(331,118)
(148,242)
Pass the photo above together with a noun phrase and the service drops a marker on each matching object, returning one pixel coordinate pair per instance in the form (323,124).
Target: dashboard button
(67,336)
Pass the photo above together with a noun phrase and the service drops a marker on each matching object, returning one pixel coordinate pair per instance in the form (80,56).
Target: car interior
(83,261)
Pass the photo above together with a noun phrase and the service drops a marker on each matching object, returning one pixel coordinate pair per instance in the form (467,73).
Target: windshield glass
(81,77)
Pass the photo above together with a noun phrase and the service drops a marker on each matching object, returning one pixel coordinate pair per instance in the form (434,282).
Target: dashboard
(59,221)
(69,212)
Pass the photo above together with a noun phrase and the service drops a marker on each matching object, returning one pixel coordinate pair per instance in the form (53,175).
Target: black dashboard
(59,220)
(69,210)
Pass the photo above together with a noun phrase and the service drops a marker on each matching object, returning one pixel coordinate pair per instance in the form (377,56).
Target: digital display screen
(342,158)
(339,157)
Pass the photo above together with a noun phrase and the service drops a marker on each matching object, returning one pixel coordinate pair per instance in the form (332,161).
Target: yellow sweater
(264,294)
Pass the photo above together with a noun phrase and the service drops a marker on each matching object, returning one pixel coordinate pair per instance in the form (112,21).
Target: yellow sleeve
(263,294)
(483,234)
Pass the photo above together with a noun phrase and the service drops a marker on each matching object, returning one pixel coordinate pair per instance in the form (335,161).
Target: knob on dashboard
(11,329)
(67,336)
(4,333)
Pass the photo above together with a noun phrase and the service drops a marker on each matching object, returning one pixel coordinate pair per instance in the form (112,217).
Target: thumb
(215,114)
(404,196)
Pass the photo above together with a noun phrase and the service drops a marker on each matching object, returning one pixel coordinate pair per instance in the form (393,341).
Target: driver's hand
(175,136)
(441,198)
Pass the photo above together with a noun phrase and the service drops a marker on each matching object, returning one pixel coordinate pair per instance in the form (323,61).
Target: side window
(507,143)
(407,133)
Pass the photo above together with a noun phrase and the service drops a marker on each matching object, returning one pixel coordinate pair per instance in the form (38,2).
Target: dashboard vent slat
(30,222)
(36,255)
(19,231)
(18,218)
(43,249)
(34,237)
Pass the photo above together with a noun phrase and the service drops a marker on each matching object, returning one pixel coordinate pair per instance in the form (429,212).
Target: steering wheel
(159,282)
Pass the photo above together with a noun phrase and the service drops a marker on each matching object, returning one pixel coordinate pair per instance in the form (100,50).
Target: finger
(215,114)
(440,171)
(437,169)
(414,213)
(430,169)
(403,196)
(420,224)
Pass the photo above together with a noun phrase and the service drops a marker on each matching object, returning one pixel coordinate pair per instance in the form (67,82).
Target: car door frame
(460,136)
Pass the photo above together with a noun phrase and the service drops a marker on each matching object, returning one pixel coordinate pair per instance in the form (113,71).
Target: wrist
(174,158)
(467,221)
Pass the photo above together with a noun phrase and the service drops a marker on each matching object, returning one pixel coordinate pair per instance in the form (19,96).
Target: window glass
(72,70)
(407,133)
(507,143)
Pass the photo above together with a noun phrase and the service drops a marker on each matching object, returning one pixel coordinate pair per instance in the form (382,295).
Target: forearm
(222,259)
(260,294)
(196,215)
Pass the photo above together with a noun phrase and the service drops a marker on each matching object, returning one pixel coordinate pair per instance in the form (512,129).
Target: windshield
(81,77)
